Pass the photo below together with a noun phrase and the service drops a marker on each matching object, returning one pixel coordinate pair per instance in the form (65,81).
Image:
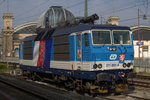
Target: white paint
(36,53)
(113,57)
(88,65)
(61,65)
(20,61)
(145,54)
(27,62)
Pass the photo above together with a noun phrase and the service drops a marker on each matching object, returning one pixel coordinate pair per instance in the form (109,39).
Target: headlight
(124,65)
(99,66)
(129,64)
(95,66)
(112,48)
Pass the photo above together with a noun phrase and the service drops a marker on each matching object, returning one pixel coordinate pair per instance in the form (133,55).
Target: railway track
(124,97)
(141,81)
(21,88)
(137,98)
(143,77)
(42,92)
(47,94)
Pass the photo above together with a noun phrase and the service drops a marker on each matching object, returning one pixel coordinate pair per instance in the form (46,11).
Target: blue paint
(52,49)
(86,50)
(47,55)
(33,43)
(89,75)
(72,47)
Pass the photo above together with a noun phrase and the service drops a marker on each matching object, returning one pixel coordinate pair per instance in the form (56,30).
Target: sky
(30,10)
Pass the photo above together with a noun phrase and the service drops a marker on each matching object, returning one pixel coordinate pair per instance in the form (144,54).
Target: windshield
(101,37)
(121,37)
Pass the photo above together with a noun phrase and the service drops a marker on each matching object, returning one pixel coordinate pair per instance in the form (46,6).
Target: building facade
(7,35)
(141,41)
(11,37)
(114,20)
(20,32)
(141,37)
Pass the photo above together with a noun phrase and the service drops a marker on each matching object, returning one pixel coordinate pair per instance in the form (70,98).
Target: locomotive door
(78,51)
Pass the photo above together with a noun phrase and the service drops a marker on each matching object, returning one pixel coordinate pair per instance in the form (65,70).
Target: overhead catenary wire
(132,18)
(122,9)
(93,7)
(43,3)
(35,7)
(104,13)
(77,4)
(71,6)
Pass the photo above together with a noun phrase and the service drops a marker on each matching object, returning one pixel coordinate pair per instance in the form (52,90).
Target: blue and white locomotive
(95,58)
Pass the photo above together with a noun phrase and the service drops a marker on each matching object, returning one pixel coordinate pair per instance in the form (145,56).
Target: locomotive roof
(46,34)
(84,27)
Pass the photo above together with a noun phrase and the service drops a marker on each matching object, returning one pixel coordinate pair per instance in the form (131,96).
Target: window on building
(145,51)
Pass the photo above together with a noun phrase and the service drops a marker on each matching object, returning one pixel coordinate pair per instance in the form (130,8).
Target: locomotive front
(112,49)
(112,57)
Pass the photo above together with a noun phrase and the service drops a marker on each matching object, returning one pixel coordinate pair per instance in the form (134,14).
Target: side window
(86,39)
(61,48)
(28,50)
(79,39)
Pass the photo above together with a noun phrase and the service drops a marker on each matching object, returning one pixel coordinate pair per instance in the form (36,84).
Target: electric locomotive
(100,56)
(81,56)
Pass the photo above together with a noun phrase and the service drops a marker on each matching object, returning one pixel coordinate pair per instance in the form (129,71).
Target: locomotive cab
(103,49)
(107,55)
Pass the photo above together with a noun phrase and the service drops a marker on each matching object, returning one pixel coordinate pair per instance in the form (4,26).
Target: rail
(141,81)
(41,91)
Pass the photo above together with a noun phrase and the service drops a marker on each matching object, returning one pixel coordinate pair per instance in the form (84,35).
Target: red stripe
(41,53)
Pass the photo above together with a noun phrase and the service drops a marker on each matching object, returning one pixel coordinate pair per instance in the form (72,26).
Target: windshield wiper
(121,45)
(104,42)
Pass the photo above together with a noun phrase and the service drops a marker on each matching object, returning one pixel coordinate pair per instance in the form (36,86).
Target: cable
(76,4)
(125,8)
(79,3)
(32,8)
(131,18)
(100,8)
(117,7)
(43,2)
